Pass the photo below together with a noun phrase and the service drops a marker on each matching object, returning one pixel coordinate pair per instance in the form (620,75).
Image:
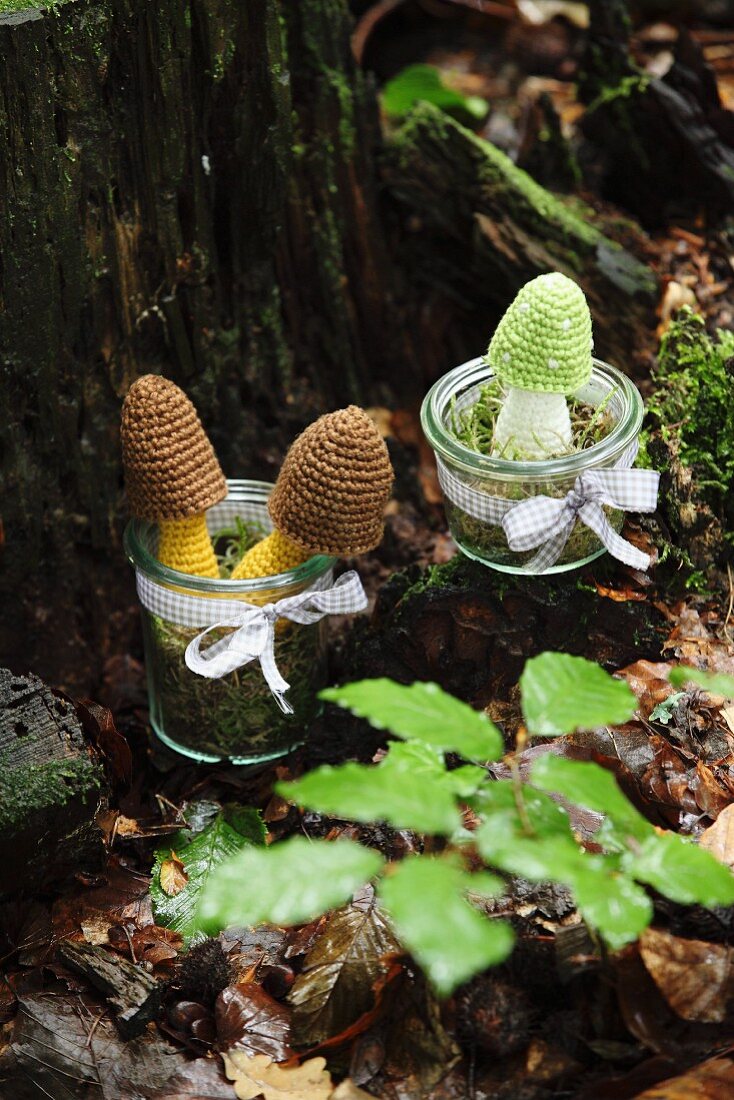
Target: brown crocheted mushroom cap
(171,470)
(332,489)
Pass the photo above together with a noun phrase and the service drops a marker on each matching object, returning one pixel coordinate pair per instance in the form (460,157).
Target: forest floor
(561,1019)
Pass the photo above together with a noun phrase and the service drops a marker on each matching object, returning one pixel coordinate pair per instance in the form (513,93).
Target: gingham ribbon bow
(547,522)
(255,637)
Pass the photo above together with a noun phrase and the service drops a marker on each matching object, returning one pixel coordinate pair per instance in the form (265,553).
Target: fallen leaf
(649,681)
(337,981)
(695,977)
(201,1079)
(257,1075)
(719,837)
(349,1091)
(249,1019)
(173,876)
(712,1080)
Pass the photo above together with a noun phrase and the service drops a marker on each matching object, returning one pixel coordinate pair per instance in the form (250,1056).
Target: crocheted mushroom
(171,472)
(330,495)
(541,351)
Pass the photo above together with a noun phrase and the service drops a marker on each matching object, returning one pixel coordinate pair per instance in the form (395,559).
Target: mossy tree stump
(186,186)
(51,787)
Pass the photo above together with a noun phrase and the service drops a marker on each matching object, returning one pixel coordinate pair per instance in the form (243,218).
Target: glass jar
(510,480)
(236,717)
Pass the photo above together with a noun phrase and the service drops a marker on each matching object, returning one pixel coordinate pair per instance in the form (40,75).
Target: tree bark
(187,187)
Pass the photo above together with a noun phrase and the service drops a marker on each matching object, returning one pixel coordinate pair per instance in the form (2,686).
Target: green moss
(8,7)
(33,788)
(692,405)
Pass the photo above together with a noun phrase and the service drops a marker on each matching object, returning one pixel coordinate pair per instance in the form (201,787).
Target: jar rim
(477,371)
(238,489)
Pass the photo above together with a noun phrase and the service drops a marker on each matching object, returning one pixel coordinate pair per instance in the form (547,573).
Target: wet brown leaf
(336,985)
(694,977)
(202,1079)
(256,1075)
(173,875)
(719,837)
(712,1080)
(248,1019)
(649,681)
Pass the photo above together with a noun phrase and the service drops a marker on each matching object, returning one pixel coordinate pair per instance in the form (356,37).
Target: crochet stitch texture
(171,471)
(543,342)
(334,484)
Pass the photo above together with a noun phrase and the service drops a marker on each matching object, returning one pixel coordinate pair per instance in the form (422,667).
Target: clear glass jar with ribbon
(546,516)
(234,667)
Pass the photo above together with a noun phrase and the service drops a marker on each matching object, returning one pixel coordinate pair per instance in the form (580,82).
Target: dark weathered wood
(134,995)
(661,147)
(186,186)
(51,787)
(473,228)
(471,629)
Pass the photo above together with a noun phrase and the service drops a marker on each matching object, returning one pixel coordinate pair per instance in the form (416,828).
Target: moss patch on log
(690,436)
(31,788)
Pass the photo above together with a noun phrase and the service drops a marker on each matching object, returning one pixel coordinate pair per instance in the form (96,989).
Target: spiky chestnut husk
(493,1016)
(205,972)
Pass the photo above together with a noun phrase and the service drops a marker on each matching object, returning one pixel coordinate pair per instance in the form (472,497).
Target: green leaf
(200,857)
(424,712)
(681,870)
(608,901)
(446,935)
(589,785)
(247,821)
(424,82)
(561,693)
(718,683)
(663,712)
(289,883)
(410,789)
(497,802)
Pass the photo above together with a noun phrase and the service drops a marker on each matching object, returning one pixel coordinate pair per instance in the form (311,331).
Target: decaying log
(471,629)
(51,787)
(474,227)
(666,145)
(131,991)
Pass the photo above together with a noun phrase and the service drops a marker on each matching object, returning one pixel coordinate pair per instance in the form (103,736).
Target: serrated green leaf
(561,693)
(289,883)
(424,82)
(608,900)
(410,788)
(200,857)
(498,803)
(613,904)
(587,784)
(247,821)
(424,712)
(718,683)
(396,791)
(445,934)
(681,870)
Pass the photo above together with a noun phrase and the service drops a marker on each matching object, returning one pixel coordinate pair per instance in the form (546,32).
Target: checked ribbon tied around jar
(254,636)
(545,523)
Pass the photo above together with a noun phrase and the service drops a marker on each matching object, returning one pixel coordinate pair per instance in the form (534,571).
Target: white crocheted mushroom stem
(532,426)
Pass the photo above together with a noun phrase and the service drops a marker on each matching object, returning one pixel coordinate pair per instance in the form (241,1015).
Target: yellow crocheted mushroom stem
(184,544)
(275,554)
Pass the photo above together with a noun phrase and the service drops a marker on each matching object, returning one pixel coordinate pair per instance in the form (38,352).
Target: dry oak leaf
(711,1080)
(173,876)
(719,837)
(695,977)
(255,1075)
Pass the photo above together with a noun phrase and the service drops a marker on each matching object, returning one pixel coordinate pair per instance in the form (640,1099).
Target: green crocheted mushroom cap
(543,342)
